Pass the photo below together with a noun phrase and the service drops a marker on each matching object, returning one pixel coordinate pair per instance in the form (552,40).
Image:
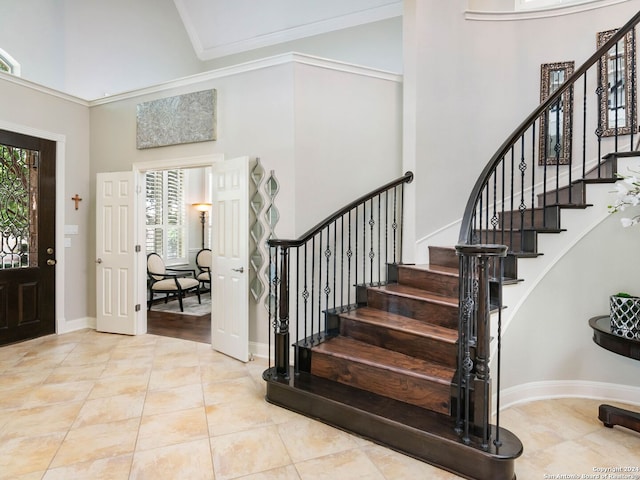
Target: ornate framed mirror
(616,88)
(555,124)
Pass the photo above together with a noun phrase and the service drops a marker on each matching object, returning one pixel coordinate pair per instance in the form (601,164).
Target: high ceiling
(223,27)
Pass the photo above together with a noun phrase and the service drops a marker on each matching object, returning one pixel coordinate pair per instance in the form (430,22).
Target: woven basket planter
(625,316)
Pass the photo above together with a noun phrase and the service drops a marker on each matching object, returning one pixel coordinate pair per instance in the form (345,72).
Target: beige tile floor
(87,405)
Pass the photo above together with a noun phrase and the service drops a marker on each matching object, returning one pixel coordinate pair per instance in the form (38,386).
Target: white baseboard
(260,350)
(66,326)
(530,392)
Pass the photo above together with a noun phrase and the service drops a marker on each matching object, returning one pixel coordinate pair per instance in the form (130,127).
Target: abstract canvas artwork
(187,118)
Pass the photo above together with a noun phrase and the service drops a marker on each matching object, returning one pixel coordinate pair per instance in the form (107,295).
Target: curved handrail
(278,242)
(465,228)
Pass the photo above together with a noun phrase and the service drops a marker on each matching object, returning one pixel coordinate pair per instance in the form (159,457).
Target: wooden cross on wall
(76,199)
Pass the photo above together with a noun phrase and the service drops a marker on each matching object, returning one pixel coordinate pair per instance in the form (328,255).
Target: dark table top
(603,336)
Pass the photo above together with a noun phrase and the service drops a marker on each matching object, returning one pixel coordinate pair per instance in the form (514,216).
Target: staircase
(400,354)
(389,370)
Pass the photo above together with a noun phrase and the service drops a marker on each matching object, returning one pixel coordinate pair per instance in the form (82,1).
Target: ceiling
(224,27)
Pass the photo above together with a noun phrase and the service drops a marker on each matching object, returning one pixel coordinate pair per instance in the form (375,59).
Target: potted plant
(625,315)
(628,192)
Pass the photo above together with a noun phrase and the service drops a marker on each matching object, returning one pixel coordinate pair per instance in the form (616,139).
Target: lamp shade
(202,207)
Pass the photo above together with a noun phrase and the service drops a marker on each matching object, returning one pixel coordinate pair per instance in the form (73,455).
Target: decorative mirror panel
(555,125)
(616,87)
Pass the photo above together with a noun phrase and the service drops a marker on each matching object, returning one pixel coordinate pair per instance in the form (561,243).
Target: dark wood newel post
(483,379)
(282,328)
(475,321)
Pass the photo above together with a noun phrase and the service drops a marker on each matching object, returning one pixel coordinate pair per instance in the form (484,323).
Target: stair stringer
(448,234)
(576,223)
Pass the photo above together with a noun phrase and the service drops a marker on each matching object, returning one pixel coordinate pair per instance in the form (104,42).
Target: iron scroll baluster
(327,261)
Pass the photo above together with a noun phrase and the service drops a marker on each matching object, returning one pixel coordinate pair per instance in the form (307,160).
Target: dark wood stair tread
(393,321)
(417,294)
(381,358)
(449,271)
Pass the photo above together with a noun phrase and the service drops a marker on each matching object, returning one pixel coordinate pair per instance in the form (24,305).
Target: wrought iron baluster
(327,285)
(305,296)
(386,227)
(558,149)
(395,224)
(584,126)
(335,260)
(512,194)
(364,243)
(372,254)
(599,130)
(379,239)
(313,289)
(297,310)
(349,256)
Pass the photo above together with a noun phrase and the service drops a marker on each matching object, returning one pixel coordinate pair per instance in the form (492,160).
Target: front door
(27,237)
(230,266)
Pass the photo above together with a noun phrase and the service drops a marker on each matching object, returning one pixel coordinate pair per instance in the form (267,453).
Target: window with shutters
(166,219)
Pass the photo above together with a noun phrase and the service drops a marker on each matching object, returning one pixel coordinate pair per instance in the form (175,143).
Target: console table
(602,335)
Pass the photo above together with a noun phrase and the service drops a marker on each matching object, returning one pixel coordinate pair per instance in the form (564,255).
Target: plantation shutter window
(166,227)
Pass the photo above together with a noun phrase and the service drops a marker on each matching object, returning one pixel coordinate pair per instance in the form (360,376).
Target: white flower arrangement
(628,191)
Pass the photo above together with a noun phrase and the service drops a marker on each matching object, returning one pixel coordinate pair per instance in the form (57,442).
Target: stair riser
(434,313)
(538,218)
(578,195)
(443,257)
(526,241)
(435,282)
(429,349)
(415,391)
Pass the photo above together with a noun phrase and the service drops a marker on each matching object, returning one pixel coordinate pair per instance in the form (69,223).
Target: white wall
(348,129)
(296,114)
(90,48)
(93,48)
(471,83)
(30,32)
(551,340)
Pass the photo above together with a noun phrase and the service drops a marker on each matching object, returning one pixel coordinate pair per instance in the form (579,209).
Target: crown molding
(283,59)
(511,15)
(42,89)
(295,33)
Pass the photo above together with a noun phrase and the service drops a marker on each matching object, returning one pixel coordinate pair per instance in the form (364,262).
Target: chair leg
(198,292)
(180,301)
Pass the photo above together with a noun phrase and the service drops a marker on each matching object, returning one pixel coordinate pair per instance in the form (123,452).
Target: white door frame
(139,169)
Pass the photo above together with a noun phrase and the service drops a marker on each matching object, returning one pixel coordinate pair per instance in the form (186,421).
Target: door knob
(240,270)
(99,260)
(51,262)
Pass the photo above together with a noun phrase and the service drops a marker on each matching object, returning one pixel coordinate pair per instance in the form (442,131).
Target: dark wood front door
(27,237)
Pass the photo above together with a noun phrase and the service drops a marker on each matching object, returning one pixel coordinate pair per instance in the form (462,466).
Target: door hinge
(137,307)
(138,248)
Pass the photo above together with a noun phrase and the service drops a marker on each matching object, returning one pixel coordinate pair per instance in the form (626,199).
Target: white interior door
(230,265)
(115,254)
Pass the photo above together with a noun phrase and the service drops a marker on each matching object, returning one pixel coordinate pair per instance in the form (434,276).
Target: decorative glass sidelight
(18,207)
